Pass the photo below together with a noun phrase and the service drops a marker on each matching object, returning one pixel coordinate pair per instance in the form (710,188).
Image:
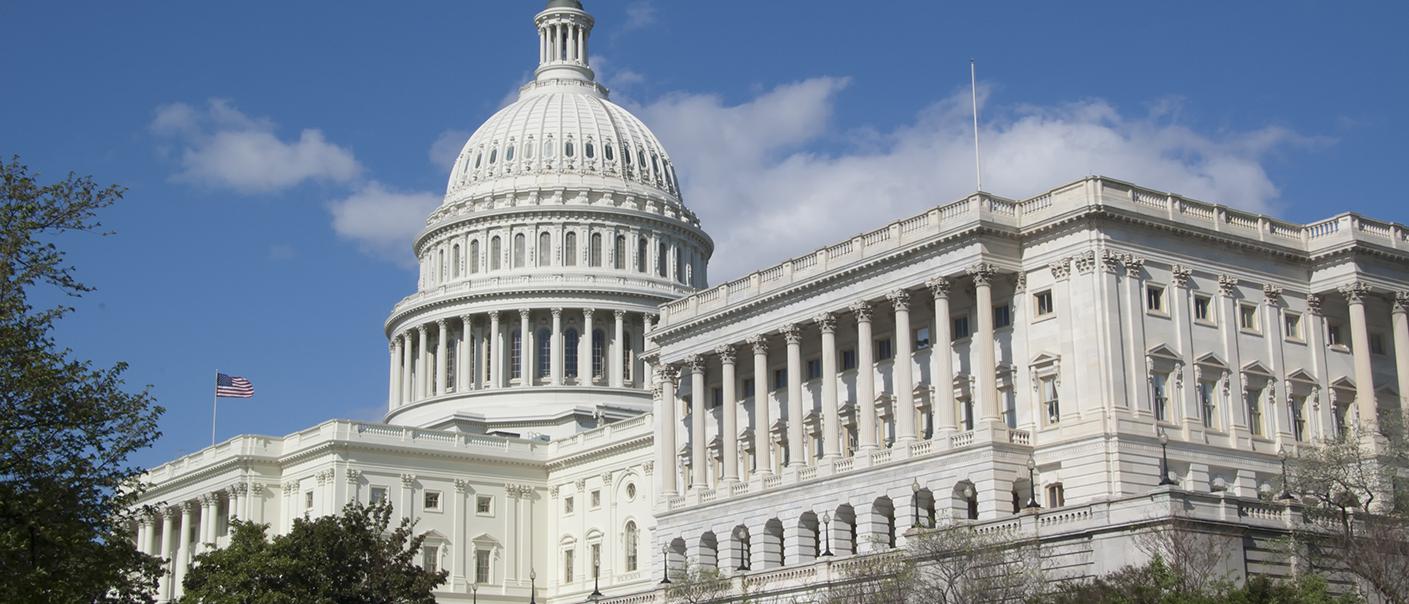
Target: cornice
(513,300)
(524,215)
(645,440)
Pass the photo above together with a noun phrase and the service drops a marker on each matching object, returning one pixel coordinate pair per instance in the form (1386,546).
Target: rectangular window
(780,379)
(922,338)
(1154,298)
(1161,401)
(1050,400)
(484,505)
(596,499)
(1298,418)
(1206,402)
(1201,306)
(567,504)
(431,500)
(482,566)
(1292,323)
(567,566)
(430,556)
(1002,316)
(848,360)
(961,328)
(1253,398)
(1247,317)
(814,368)
(748,387)
(1335,333)
(1377,344)
(308,500)
(883,351)
(1056,496)
(1042,302)
(377,495)
(716,397)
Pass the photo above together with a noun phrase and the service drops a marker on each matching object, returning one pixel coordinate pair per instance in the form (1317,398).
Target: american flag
(233,386)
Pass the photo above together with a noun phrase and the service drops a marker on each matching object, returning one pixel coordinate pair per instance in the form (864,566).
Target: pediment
(1161,351)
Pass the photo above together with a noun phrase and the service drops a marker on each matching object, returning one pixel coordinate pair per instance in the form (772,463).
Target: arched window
(627,354)
(680,273)
(662,257)
(440,266)
(595,253)
(545,249)
(773,553)
(570,343)
(548,151)
(479,158)
(518,250)
(626,155)
(619,253)
(455,261)
(493,155)
(496,252)
(528,149)
(631,543)
(509,153)
(544,361)
(568,149)
(516,354)
(642,253)
(474,256)
(590,150)
(570,249)
(607,148)
(597,341)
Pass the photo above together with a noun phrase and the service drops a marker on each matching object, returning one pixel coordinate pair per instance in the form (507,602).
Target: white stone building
(568,400)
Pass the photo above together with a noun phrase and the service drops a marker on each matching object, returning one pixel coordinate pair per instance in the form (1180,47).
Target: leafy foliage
(353,558)
(1160,583)
(66,427)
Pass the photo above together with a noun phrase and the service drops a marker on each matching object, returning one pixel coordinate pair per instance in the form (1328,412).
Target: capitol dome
(561,232)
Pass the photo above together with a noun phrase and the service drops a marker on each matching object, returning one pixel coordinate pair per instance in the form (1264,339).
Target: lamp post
(665,564)
(915,502)
(596,578)
(474,593)
(1286,495)
(744,550)
(1031,484)
(1164,479)
(827,533)
(532,586)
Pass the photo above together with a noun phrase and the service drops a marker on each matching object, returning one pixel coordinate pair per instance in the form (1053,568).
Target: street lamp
(1164,479)
(915,501)
(532,586)
(596,578)
(827,532)
(474,593)
(1286,494)
(665,564)
(1031,484)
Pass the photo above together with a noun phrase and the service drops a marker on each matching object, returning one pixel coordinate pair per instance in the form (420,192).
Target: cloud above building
(383,221)
(219,146)
(773,177)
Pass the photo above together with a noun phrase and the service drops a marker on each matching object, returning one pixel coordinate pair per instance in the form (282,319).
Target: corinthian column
(618,361)
(406,375)
(464,373)
(865,379)
(1400,324)
(441,344)
(394,394)
(831,420)
(797,454)
(495,363)
(729,415)
(584,350)
(525,350)
(168,534)
(663,390)
(942,372)
(762,422)
(555,353)
(1356,294)
(699,468)
(904,402)
(423,370)
(985,365)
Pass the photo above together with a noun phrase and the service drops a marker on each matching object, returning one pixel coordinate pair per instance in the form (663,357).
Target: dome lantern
(563,32)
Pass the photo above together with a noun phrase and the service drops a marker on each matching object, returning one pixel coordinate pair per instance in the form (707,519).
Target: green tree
(66,427)
(1160,583)
(352,558)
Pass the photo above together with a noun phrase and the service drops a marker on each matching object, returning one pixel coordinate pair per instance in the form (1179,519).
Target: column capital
(827,322)
(523,314)
(467,318)
(900,299)
(172,511)
(1355,292)
(620,314)
(726,353)
(1227,285)
(1313,304)
(792,333)
(669,373)
(1401,302)
(462,485)
(862,310)
(1133,266)
(421,330)
(1020,281)
(408,479)
(1271,295)
(1179,275)
(696,363)
(207,500)
(759,344)
(188,506)
(1110,261)
(440,323)
(1085,262)
(557,312)
(1061,268)
(982,273)
(938,286)
(493,315)
(394,343)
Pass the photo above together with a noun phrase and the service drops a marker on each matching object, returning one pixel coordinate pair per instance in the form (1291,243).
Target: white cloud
(639,14)
(447,147)
(222,147)
(754,174)
(383,221)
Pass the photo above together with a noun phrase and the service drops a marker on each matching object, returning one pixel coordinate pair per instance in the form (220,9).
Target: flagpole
(973,92)
(214,398)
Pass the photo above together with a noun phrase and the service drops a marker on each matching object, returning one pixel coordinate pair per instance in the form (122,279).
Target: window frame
(1038,304)
(1155,299)
(426,495)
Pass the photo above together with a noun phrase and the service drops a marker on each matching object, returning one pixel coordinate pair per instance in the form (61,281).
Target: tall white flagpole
(214,398)
(973,96)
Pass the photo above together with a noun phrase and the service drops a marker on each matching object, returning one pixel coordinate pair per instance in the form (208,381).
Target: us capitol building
(573,407)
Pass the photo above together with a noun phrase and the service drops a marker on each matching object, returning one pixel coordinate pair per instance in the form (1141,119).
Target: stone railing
(1094,193)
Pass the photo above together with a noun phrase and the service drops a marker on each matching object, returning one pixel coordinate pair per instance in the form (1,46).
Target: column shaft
(555,345)
(666,405)
(942,372)
(618,363)
(797,453)
(442,344)
(394,374)
(985,365)
(495,364)
(584,350)
(1356,295)
(729,416)
(464,372)
(423,371)
(763,421)
(1399,323)
(168,534)
(698,466)
(904,395)
(865,379)
(831,420)
(525,351)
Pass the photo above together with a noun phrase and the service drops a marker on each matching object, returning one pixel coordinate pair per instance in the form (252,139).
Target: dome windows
(568,149)
(528,149)
(626,155)
(607,149)
(493,155)
(590,150)
(479,158)
(548,151)
(509,152)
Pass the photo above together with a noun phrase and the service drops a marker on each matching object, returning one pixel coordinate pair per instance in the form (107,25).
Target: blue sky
(279,155)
